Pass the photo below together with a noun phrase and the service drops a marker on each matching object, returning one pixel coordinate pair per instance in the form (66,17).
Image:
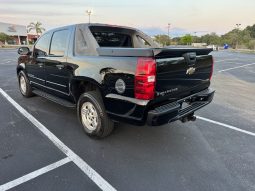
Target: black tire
(104,125)
(28,90)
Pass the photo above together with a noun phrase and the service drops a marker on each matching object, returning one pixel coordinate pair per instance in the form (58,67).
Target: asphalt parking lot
(43,147)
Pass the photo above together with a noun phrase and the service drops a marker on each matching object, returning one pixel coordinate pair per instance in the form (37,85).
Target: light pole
(195,37)
(89,12)
(238,28)
(169,25)
(238,25)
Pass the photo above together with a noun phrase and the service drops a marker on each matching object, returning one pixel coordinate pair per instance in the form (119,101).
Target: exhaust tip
(188,118)
(193,118)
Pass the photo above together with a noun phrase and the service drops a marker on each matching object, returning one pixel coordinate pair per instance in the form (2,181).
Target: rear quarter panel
(104,72)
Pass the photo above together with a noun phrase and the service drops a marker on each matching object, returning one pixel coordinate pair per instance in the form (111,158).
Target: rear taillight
(145,78)
(212,69)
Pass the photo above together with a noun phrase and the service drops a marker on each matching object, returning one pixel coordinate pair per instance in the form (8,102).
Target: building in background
(199,45)
(18,33)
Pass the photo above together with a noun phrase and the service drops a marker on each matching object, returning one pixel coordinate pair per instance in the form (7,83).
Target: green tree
(237,37)
(245,37)
(4,37)
(196,39)
(37,27)
(251,30)
(176,40)
(163,40)
(186,40)
(212,38)
(233,38)
(251,44)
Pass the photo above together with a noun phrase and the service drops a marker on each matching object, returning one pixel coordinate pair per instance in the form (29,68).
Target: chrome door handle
(60,67)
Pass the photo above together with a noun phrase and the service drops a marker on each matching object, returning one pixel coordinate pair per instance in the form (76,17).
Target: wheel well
(79,87)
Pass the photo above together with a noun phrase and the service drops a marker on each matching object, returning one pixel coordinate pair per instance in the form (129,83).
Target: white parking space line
(226,125)
(224,60)
(9,60)
(237,67)
(89,171)
(34,174)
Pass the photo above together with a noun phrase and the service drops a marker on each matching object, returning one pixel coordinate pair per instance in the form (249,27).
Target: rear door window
(59,43)
(81,46)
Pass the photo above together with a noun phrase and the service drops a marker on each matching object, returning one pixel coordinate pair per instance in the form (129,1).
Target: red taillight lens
(212,69)
(145,78)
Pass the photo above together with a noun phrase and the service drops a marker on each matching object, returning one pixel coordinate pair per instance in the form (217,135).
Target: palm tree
(36,26)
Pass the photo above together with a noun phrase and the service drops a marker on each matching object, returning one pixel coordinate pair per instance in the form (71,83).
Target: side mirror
(24,51)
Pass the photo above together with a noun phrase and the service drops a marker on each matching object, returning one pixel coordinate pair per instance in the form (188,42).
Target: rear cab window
(143,42)
(112,36)
(120,37)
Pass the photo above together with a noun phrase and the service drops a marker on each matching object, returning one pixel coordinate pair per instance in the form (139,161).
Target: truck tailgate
(181,74)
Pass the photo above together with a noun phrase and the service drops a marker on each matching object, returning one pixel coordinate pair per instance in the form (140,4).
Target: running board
(54,99)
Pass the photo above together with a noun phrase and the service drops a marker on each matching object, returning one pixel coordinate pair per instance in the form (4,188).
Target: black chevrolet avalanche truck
(116,74)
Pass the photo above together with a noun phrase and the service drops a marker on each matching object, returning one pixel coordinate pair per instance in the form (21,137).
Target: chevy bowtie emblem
(191,71)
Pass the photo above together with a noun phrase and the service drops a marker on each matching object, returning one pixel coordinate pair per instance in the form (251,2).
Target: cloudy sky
(185,16)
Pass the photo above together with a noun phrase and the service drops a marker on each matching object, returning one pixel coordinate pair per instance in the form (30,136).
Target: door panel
(36,67)
(57,74)
(36,72)
(57,70)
